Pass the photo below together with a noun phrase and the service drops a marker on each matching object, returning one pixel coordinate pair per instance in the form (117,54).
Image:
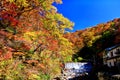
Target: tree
(32,34)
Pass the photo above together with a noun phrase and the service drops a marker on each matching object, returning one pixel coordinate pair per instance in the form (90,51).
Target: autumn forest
(34,42)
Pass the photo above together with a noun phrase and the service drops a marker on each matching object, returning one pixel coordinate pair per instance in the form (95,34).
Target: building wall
(111,62)
(109,57)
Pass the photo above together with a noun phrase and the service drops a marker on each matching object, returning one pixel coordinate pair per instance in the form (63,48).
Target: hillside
(95,39)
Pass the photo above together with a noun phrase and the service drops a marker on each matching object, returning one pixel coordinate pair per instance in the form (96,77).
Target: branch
(37,48)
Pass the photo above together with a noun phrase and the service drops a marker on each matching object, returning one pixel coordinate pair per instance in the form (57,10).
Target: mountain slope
(95,39)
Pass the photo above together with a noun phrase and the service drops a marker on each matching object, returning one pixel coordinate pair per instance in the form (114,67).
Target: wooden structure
(111,57)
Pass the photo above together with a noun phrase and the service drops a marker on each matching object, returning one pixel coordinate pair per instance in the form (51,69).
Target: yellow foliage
(11,0)
(31,36)
(20,3)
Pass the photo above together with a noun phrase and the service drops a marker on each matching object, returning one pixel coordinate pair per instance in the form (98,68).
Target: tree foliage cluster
(95,39)
(32,42)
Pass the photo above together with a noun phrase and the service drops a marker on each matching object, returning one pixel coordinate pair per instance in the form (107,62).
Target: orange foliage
(42,66)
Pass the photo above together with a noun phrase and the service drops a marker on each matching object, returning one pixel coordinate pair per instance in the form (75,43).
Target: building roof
(113,47)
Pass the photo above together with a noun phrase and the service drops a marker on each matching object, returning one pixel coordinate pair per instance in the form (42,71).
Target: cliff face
(96,38)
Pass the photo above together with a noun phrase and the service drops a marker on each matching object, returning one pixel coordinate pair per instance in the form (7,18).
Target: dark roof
(113,47)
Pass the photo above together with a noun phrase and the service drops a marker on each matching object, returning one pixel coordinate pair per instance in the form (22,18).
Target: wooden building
(111,57)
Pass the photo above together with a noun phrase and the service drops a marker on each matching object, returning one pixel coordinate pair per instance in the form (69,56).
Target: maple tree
(32,35)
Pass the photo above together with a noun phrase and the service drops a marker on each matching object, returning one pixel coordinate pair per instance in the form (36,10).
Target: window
(118,49)
(111,54)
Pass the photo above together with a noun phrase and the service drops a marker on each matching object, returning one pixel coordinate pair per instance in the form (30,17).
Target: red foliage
(3,33)
(62,65)
(9,14)
(8,55)
(10,49)
(1,51)
(26,47)
(53,45)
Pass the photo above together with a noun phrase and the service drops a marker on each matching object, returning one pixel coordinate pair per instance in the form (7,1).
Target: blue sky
(88,13)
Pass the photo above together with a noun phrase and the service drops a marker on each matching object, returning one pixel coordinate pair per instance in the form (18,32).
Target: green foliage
(78,59)
(44,77)
(106,34)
